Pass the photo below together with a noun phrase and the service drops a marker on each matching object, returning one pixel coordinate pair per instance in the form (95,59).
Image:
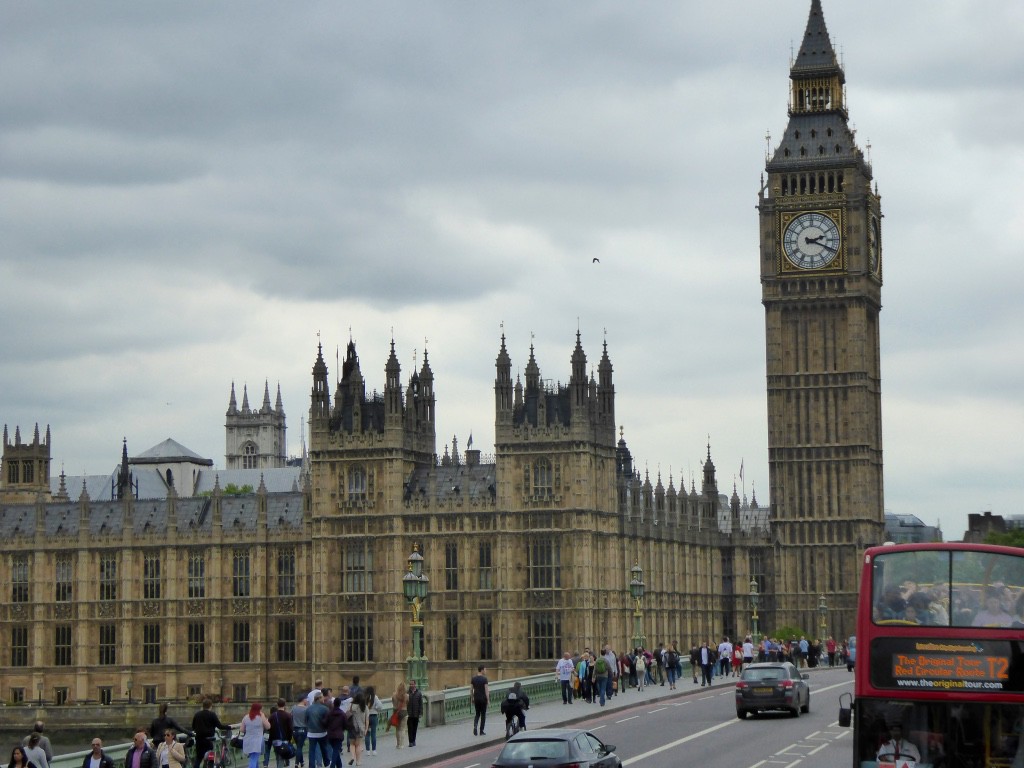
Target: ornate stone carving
(195,608)
(540,599)
(240,606)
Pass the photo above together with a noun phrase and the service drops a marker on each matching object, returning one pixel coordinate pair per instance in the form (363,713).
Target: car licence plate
(763,691)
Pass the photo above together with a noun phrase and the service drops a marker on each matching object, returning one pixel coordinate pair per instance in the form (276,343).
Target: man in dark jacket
(280,733)
(139,755)
(415,710)
(512,709)
(694,660)
(524,703)
(97,758)
(205,724)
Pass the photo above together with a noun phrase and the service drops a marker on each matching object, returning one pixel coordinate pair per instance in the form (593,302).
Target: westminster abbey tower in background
(171,579)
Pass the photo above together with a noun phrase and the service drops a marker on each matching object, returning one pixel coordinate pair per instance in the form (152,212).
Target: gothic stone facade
(528,554)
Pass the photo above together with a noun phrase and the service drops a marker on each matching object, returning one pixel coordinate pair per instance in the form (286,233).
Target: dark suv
(770,686)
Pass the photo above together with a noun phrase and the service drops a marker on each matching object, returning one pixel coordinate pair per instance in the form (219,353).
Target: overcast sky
(191,192)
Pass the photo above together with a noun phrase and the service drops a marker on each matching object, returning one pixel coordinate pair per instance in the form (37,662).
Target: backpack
(511,705)
(602,666)
(671,659)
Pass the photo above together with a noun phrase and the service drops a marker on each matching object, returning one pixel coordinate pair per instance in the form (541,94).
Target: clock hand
(813,240)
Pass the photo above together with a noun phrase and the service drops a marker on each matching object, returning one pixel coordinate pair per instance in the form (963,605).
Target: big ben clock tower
(821,282)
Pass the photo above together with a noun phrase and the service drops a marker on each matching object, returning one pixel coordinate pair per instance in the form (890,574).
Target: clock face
(811,241)
(874,244)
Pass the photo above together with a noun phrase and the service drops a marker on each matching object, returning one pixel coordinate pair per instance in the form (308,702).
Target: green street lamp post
(414,586)
(636,590)
(754,599)
(823,612)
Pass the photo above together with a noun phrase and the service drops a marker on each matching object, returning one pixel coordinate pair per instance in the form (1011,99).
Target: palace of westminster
(173,579)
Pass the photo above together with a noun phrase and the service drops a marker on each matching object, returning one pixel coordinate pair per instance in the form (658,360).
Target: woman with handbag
(400,710)
(171,752)
(254,725)
(374,708)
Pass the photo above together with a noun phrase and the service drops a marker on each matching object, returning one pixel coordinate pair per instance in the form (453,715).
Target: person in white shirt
(317,688)
(97,758)
(898,748)
(748,651)
(724,656)
(564,669)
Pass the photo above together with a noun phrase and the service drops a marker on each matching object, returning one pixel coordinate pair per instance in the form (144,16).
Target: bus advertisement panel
(940,679)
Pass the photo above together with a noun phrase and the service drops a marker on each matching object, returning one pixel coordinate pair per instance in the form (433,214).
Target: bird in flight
(596,260)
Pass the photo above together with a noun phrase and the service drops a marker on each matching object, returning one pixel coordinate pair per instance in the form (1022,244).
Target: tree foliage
(232,490)
(787,632)
(1012,538)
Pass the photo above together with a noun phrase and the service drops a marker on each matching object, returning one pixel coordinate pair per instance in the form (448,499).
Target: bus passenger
(993,614)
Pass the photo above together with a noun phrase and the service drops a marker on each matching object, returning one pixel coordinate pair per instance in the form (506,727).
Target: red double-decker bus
(939,676)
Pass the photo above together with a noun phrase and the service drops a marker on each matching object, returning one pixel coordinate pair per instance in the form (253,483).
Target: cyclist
(510,708)
(514,708)
(524,703)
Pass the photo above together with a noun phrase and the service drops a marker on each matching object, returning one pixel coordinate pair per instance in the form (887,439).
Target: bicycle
(220,755)
(188,741)
(511,727)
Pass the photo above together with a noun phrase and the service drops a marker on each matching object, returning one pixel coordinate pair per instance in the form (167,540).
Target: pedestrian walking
(564,669)
(480,695)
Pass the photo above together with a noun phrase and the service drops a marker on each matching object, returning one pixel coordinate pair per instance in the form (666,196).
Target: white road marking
(677,742)
(627,719)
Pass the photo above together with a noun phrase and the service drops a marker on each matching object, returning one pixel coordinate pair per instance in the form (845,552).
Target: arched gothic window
(250,457)
(542,478)
(356,484)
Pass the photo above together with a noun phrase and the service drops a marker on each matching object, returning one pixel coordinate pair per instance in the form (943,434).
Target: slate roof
(169,451)
(816,52)
(150,517)
(152,486)
(818,138)
(451,482)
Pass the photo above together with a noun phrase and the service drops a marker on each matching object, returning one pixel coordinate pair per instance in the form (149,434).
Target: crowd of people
(336,730)
(595,676)
(994,605)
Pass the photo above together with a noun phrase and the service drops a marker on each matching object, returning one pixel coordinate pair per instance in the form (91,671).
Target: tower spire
(816,52)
